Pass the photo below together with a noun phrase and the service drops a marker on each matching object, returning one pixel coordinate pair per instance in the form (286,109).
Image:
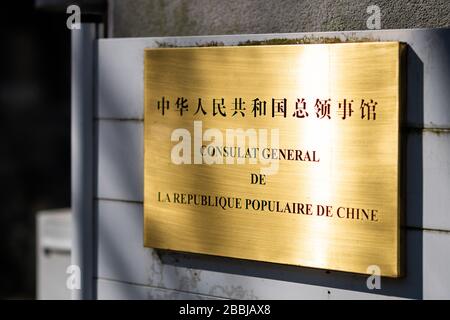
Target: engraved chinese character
(345,109)
(368,109)
(219,104)
(163,105)
(322,108)
(300,109)
(238,107)
(181,105)
(258,107)
(279,107)
(200,107)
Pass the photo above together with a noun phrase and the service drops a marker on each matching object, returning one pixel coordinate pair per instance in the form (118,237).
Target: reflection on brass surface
(333,200)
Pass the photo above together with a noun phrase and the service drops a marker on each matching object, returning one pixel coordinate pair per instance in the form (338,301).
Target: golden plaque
(286,154)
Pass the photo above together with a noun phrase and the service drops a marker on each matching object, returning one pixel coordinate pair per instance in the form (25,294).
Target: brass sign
(286,154)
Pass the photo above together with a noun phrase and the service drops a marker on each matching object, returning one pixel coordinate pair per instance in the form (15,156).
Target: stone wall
(143,18)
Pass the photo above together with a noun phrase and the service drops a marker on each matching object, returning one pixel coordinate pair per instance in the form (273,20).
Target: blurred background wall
(34,134)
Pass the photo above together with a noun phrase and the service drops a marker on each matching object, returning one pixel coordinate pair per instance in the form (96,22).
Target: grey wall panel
(120,160)
(436,251)
(113,290)
(436,180)
(427,179)
(122,257)
(121,86)
(120,80)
